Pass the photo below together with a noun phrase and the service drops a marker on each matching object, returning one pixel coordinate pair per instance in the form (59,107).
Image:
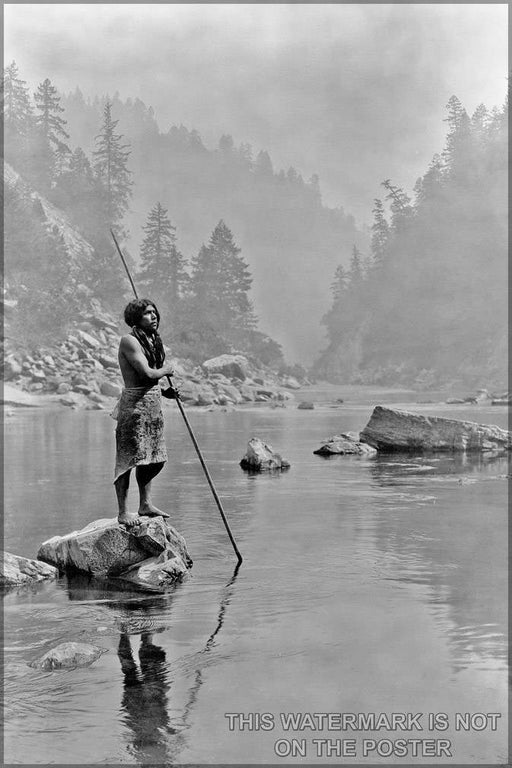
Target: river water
(369,585)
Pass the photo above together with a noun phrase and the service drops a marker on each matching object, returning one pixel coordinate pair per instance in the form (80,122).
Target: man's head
(143,313)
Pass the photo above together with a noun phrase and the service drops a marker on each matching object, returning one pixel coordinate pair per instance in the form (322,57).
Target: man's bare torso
(131,377)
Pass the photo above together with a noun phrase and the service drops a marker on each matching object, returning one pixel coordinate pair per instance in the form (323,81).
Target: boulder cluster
(82,371)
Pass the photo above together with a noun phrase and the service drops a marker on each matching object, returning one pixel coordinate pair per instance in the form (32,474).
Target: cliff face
(77,248)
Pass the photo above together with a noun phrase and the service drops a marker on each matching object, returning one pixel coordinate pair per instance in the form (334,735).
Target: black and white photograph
(255,384)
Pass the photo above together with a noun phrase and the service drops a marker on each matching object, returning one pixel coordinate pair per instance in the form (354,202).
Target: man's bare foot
(128,520)
(149,510)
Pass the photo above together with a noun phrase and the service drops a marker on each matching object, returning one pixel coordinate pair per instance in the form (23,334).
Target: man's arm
(131,350)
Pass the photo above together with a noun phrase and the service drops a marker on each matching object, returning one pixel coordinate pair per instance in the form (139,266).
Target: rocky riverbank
(82,371)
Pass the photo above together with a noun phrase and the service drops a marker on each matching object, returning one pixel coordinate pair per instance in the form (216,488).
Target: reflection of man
(144,701)
(140,425)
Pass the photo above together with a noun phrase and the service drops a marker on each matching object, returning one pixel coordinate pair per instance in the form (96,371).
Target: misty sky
(353,92)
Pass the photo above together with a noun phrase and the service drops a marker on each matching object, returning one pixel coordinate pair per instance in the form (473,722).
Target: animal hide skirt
(140,429)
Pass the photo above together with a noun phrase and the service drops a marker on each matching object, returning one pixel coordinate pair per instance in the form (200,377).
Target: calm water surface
(368,585)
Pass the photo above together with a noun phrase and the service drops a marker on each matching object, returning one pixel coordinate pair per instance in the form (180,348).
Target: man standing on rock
(140,424)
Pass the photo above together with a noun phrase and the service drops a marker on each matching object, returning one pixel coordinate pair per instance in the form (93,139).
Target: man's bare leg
(121,485)
(144,474)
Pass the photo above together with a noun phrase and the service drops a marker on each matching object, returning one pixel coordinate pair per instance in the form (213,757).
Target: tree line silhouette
(420,299)
(428,305)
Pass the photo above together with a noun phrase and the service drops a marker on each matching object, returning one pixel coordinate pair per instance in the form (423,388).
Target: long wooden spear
(182,411)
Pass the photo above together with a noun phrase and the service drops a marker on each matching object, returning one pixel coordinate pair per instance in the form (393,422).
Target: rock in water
(104,548)
(68,655)
(394,430)
(344,444)
(156,573)
(18,571)
(260,457)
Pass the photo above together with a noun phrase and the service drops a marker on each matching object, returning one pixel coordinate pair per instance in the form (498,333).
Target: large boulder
(104,548)
(345,443)
(261,457)
(231,366)
(390,429)
(68,656)
(20,571)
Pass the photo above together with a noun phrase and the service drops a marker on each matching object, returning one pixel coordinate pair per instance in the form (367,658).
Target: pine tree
(49,121)
(17,117)
(479,123)
(458,152)
(263,165)
(17,109)
(380,233)
(455,112)
(339,318)
(356,268)
(429,188)
(49,124)
(220,285)
(110,165)
(340,282)
(163,275)
(401,209)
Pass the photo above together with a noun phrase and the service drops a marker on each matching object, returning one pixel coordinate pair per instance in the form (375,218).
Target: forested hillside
(428,304)
(289,242)
(241,257)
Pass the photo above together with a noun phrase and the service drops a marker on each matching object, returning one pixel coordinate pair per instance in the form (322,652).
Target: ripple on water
(361,578)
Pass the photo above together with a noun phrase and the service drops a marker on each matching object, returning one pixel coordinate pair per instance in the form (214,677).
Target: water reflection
(144,701)
(456,552)
(395,469)
(343,560)
(152,736)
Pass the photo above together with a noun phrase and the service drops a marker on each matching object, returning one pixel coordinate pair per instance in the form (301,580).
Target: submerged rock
(69,655)
(306,405)
(18,571)
(345,443)
(261,457)
(394,430)
(105,549)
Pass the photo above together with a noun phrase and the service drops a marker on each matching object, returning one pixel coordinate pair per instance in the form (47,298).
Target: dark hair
(135,309)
